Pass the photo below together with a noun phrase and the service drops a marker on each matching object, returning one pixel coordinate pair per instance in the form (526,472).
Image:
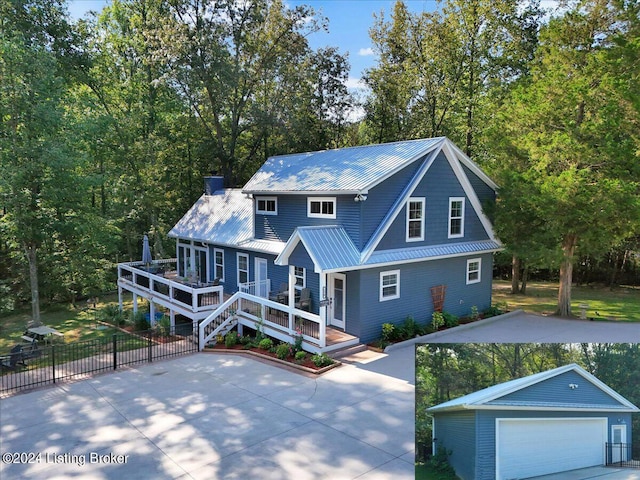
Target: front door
(618,443)
(262,289)
(338,289)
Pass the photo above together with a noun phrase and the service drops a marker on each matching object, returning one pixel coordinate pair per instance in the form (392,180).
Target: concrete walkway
(594,473)
(215,416)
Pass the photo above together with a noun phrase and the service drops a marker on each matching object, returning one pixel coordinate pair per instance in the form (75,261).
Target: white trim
(215,264)
(321,200)
(238,255)
(461,217)
(389,273)
(479,270)
(332,287)
(266,199)
(422,202)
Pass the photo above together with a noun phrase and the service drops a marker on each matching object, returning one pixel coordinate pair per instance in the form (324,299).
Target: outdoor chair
(281,294)
(304,303)
(14,358)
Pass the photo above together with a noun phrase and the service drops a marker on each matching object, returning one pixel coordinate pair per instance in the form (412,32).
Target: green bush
(265,344)
(450,320)
(300,356)
(437,320)
(246,340)
(410,328)
(494,310)
(140,322)
(111,313)
(440,461)
(388,332)
(231,338)
(283,350)
(163,327)
(321,360)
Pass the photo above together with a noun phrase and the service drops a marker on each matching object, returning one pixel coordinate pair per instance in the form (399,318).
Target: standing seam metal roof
(353,169)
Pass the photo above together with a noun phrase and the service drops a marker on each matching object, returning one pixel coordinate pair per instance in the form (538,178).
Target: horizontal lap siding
(292,213)
(300,258)
(438,184)
(457,433)
(556,390)
(416,280)
(276,273)
(486,432)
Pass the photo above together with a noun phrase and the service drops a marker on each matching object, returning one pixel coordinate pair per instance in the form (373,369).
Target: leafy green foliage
(265,344)
(321,360)
(283,350)
(231,338)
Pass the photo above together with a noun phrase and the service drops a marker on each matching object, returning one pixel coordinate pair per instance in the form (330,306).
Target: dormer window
(267,205)
(321,207)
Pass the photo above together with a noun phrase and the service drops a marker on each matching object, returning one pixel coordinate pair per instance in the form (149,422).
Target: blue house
(550,422)
(332,244)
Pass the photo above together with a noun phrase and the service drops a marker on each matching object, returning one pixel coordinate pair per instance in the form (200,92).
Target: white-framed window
(243,268)
(456,217)
(218,255)
(267,205)
(321,207)
(300,274)
(389,285)
(415,219)
(474,267)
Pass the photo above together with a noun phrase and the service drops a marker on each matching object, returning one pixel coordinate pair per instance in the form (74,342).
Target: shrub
(495,310)
(297,341)
(140,322)
(300,356)
(245,340)
(388,332)
(111,313)
(265,344)
(321,360)
(231,338)
(410,328)
(440,461)
(163,327)
(437,320)
(474,313)
(450,320)
(283,350)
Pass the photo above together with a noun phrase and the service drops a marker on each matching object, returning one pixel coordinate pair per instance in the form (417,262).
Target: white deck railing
(275,319)
(195,297)
(259,289)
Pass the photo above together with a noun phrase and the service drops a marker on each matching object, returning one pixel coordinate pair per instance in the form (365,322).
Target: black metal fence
(35,365)
(622,455)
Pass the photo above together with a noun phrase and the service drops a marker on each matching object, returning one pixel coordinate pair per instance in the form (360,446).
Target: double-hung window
(389,285)
(474,267)
(456,217)
(321,207)
(415,219)
(219,263)
(300,275)
(243,268)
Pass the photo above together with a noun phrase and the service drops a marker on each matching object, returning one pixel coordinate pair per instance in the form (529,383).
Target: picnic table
(42,334)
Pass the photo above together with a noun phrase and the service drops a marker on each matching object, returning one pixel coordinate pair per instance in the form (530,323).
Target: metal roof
(225,218)
(330,247)
(488,396)
(349,170)
(432,252)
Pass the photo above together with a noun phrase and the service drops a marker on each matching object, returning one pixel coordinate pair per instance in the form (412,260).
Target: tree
(577,159)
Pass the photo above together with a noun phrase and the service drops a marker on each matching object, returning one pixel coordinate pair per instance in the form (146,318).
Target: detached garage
(550,422)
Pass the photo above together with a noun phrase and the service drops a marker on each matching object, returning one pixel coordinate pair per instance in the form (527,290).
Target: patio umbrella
(146,251)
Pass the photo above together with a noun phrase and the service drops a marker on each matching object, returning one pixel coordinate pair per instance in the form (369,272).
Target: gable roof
(345,170)
(225,218)
(482,398)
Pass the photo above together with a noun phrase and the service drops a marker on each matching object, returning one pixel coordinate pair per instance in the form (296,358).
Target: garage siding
(486,423)
(456,432)
(557,390)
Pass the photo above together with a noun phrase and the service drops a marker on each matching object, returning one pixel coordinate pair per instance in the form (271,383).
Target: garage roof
(502,396)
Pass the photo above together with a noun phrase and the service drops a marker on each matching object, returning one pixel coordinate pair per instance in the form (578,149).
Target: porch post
(152,313)
(135,303)
(292,297)
(324,320)
(120,297)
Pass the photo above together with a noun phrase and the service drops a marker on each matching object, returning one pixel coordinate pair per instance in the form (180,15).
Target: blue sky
(349,23)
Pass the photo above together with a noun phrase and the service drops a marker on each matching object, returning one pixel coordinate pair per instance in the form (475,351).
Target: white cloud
(366,52)
(355,83)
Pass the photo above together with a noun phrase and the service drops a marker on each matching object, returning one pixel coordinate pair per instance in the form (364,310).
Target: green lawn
(620,304)
(77,324)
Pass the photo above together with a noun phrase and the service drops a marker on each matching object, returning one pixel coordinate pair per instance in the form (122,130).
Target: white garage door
(526,448)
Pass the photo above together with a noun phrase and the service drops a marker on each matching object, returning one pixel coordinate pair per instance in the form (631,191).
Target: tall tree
(572,128)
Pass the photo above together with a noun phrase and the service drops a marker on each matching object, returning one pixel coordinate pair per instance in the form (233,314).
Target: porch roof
(225,218)
(432,252)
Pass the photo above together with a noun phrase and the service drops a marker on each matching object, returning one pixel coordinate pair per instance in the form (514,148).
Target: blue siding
(381,198)
(457,433)
(300,258)
(484,192)
(438,184)
(486,432)
(416,280)
(292,213)
(556,390)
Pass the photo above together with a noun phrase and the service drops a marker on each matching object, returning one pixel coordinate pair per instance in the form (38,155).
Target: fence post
(150,350)
(53,361)
(115,351)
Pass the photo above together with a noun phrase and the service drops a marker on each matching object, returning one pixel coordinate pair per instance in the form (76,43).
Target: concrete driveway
(215,416)
(600,473)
